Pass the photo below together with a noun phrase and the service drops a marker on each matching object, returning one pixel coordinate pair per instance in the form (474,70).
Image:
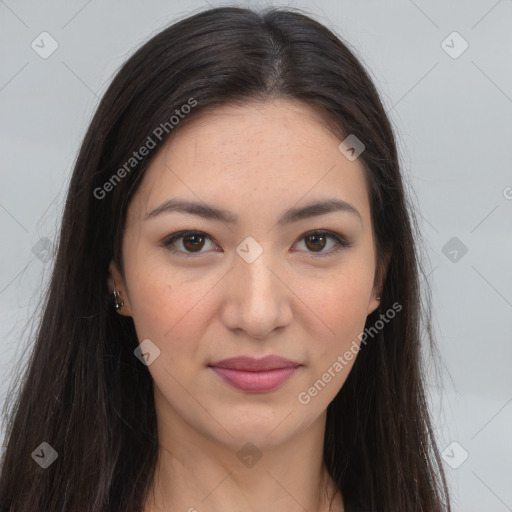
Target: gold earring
(117,305)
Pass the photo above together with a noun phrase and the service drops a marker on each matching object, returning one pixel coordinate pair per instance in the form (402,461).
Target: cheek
(339,308)
(333,351)
(170,309)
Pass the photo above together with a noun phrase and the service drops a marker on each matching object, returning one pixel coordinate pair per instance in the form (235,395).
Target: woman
(233,320)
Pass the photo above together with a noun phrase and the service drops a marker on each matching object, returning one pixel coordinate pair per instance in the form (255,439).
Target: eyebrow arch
(290,216)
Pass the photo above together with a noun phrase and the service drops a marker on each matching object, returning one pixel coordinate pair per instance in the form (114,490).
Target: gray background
(452,118)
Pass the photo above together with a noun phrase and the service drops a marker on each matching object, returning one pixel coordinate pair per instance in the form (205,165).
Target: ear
(120,286)
(380,277)
(374,303)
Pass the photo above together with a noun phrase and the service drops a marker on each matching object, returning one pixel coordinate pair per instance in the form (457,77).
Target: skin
(256,161)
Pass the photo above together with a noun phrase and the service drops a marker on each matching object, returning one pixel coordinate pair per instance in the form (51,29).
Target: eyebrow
(290,216)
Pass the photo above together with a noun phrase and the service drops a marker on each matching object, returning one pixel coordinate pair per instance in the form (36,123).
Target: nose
(258,300)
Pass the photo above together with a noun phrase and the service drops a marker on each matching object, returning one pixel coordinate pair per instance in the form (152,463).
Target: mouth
(255,375)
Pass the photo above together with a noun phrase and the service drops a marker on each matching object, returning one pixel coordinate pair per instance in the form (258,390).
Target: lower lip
(261,381)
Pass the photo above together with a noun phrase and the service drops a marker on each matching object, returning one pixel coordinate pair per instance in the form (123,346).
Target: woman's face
(258,280)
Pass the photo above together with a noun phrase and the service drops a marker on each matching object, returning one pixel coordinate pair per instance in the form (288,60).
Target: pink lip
(257,375)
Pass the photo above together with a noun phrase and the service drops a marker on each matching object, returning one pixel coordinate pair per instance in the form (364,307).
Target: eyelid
(170,239)
(341,242)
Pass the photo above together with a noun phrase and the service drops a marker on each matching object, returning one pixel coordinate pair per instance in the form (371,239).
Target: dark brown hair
(86,394)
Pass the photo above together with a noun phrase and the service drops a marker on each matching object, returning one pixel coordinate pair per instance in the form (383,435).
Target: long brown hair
(87,395)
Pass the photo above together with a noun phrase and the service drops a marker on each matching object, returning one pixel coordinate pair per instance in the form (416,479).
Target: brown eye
(315,242)
(193,242)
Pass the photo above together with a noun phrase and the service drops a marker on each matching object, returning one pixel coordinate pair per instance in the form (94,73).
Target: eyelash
(340,241)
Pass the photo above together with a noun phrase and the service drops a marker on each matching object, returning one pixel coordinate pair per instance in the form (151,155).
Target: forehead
(254,157)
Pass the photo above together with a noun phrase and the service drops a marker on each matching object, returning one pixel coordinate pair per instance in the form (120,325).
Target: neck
(195,473)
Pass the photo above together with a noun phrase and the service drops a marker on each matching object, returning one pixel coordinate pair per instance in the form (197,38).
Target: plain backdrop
(444,70)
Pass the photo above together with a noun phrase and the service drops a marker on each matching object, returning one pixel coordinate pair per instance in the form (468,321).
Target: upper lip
(253,364)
